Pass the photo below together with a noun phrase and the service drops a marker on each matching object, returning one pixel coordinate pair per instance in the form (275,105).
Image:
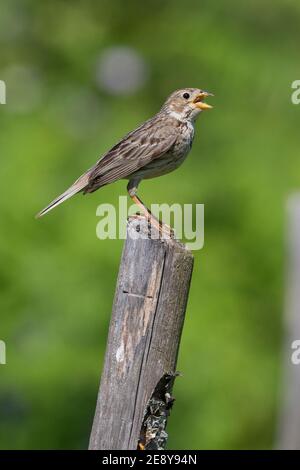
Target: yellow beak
(199,103)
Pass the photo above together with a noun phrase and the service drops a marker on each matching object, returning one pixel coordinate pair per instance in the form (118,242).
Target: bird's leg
(132,190)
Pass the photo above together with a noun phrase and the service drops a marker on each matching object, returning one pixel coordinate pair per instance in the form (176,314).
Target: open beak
(199,101)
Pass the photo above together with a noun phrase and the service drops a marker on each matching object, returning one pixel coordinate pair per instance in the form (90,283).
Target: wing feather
(150,141)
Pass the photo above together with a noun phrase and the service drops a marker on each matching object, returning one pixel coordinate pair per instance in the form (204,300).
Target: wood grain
(144,334)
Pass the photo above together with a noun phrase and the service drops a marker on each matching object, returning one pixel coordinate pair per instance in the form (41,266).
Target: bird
(155,148)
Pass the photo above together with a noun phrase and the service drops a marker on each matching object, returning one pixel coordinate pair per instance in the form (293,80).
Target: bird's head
(187,103)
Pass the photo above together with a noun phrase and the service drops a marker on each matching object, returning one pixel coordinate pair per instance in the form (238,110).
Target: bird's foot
(163,230)
(166,230)
(138,216)
(157,229)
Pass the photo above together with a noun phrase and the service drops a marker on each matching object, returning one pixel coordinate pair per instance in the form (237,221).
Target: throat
(177,116)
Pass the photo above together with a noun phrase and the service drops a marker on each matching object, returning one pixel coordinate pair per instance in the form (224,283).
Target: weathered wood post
(289,423)
(140,363)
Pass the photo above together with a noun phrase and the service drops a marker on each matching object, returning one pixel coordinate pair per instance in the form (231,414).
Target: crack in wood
(153,435)
(147,346)
(140,296)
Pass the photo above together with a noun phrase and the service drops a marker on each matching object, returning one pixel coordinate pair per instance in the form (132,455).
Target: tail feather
(78,186)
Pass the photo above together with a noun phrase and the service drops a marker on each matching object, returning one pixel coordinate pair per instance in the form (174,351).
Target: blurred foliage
(57,279)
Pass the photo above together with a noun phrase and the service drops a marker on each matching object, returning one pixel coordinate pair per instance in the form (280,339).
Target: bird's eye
(186,96)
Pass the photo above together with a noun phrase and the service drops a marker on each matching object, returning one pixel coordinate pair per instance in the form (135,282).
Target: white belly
(171,160)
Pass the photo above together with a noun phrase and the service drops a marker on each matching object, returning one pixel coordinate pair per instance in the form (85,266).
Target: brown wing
(150,141)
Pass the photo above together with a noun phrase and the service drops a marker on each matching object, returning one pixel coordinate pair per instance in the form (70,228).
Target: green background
(57,279)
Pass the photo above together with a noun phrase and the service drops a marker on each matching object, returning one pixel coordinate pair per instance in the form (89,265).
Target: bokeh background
(79,76)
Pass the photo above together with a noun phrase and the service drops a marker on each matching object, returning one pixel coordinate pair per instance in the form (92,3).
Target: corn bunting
(155,148)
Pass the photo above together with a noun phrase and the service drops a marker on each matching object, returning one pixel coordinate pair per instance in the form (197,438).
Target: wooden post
(289,424)
(140,363)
